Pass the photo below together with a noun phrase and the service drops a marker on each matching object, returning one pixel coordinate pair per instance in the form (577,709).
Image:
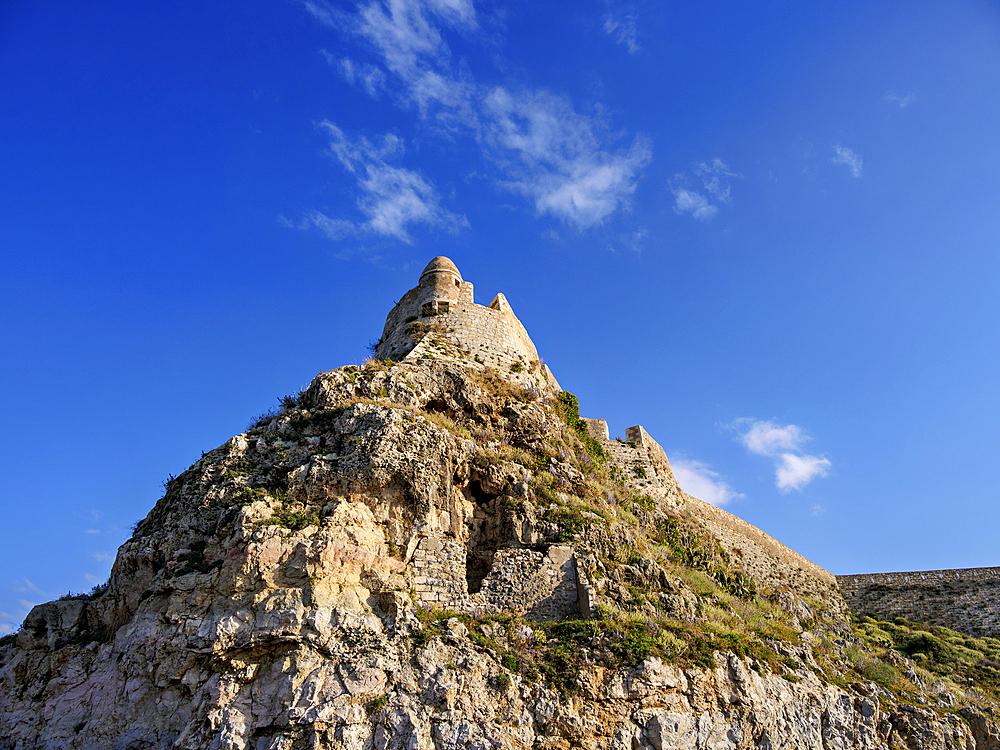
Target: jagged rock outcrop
(427,554)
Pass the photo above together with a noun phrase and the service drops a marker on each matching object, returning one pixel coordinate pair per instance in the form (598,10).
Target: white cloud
(101,556)
(688,201)
(365,75)
(767,438)
(623,29)
(92,579)
(698,479)
(713,176)
(406,36)
(562,161)
(902,101)
(92,531)
(26,605)
(553,155)
(817,510)
(848,157)
(795,472)
(392,198)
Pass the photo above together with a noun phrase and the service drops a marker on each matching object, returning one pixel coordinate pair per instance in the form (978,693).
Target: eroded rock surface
(282,595)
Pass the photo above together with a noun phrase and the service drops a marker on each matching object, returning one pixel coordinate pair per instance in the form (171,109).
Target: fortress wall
(495,336)
(965,599)
(438,566)
(768,561)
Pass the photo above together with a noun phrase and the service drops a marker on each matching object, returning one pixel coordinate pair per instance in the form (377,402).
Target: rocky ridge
(345,574)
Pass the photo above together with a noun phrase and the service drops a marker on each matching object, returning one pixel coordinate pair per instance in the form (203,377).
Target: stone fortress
(442,303)
(439,319)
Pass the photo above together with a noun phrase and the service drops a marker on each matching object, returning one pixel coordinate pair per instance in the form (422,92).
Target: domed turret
(439,270)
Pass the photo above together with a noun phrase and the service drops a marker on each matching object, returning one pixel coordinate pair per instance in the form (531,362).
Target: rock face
(434,554)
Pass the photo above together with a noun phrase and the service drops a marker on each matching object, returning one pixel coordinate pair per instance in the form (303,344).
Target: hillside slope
(428,554)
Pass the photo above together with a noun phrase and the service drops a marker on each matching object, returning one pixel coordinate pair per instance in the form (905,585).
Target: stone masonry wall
(966,599)
(641,458)
(768,561)
(438,565)
(541,587)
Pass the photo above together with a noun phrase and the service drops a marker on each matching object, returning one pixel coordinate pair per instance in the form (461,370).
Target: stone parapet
(963,599)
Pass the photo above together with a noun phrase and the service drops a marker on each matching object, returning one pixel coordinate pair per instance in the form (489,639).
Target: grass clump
(939,653)
(570,408)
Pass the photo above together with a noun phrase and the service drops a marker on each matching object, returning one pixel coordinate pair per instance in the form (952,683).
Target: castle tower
(441,308)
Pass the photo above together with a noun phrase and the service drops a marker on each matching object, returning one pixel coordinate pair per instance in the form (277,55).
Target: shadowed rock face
(416,555)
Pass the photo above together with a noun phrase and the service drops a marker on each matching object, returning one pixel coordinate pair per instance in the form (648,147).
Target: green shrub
(293,520)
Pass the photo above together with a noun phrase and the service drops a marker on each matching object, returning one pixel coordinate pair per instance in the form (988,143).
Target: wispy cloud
(689,201)
(716,188)
(793,468)
(570,166)
(101,556)
(622,28)
(903,101)
(846,156)
(364,75)
(406,36)
(391,197)
(698,479)
(92,579)
(24,586)
(553,155)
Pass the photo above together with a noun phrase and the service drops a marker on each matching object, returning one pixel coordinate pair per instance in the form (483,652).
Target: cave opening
(482,542)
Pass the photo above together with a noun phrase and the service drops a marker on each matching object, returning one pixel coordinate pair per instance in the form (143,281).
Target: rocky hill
(437,551)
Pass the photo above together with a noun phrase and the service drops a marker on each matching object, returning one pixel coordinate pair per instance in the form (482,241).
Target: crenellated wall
(964,599)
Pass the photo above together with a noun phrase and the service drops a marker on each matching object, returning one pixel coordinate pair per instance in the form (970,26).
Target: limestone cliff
(432,553)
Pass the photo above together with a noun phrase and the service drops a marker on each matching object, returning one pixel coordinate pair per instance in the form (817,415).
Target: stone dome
(439,265)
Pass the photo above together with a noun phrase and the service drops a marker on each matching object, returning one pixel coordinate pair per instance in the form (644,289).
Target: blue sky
(768,232)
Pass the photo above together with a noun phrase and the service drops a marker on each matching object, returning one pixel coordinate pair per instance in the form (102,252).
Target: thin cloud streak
(624,31)
(689,201)
(714,180)
(846,156)
(555,157)
(902,101)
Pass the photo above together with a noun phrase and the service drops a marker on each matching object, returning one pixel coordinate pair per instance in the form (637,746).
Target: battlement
(963,599)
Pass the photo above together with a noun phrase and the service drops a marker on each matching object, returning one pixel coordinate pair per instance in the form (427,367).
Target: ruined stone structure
(442,304)
(967,599)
